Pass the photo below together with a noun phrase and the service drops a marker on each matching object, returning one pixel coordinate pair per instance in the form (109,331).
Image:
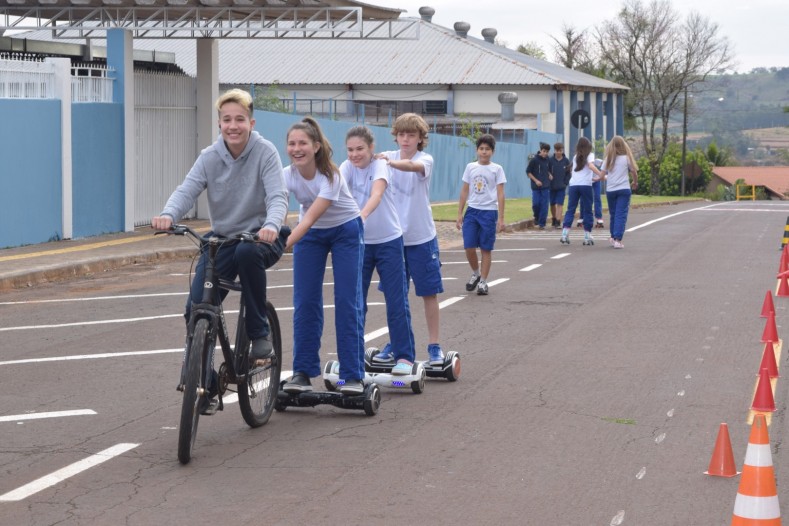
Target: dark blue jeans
(540,203)
(598,200)
(249,261)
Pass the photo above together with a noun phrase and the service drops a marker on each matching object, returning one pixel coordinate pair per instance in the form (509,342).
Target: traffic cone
(770,333)
(783,284)
(756,503)
(763,400)
(768,360)
(783,265)
(768,306)
(722,461)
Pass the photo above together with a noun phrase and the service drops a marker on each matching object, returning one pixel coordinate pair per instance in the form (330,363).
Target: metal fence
(25,77)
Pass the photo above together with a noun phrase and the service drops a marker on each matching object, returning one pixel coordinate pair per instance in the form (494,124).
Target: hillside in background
(735,102)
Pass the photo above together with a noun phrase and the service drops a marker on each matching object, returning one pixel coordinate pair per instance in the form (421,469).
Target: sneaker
(542,227)
(298,383)
(618,244)
(403,367)
(352,387)
(472,282)
(435,356)
(482,289)
(580,222)
(600,223)
(262,348)
(611,241)
(385,355)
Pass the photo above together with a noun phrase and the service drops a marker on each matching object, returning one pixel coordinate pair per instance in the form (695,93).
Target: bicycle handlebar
(182,230)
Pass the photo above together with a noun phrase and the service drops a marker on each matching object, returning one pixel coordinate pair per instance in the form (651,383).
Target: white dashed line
(50,414)
(62,474)
(531,267)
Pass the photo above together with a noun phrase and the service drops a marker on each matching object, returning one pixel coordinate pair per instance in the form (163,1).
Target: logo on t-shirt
(479,184)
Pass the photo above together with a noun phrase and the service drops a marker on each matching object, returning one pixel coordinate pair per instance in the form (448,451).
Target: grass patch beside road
(520,209)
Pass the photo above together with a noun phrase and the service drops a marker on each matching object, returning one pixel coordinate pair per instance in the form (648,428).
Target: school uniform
(540,195)
(339,231)
(482,213)
(411,192)
(383,250)
(580,189)
(618,195)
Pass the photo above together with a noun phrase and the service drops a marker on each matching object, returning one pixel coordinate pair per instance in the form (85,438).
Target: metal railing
(24,77)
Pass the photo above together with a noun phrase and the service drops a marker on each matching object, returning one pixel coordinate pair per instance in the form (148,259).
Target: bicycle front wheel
(258,392)
(190,410)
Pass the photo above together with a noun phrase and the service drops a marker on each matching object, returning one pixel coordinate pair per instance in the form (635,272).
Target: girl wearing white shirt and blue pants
(329,221)
(584,173)
(368,180)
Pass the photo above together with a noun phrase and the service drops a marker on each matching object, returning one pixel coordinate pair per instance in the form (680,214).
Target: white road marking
(90,356)
(466,262)
(633,229)
(531,267)
(496,250)
(496,282)
(143,318)
(69,471)
(618,519)
(641,473)
(51,414)
(560,256)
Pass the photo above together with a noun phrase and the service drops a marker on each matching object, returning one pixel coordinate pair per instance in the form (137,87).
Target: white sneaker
(618,244)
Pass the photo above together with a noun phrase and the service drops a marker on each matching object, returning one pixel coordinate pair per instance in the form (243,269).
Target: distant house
(774,179)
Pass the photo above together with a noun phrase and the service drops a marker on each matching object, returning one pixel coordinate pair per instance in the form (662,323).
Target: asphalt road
(593,385)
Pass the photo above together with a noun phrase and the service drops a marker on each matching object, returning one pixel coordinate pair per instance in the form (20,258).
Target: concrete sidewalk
(32,265)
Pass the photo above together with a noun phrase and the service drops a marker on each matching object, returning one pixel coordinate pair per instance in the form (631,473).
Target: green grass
(520,209)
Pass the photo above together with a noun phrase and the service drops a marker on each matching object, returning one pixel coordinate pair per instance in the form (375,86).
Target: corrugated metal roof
(438,57)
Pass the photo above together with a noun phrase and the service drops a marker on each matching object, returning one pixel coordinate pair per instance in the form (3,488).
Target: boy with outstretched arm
(410,169)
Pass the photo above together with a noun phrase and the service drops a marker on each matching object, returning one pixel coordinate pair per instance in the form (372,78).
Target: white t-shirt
(411,192)
(585,175)
(382,225)
(342,209)
(483,181)
(617,178)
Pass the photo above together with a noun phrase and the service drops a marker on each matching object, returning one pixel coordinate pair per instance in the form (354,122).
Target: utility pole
(684,140)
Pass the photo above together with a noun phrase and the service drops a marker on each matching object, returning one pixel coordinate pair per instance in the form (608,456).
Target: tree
(660,57)
(532,49)
(574,50)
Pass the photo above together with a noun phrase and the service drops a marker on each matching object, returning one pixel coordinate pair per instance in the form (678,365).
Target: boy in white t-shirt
(483,189)
(410,168)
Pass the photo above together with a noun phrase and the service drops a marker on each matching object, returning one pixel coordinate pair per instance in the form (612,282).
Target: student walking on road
(483,189)
(584,172)
(618,165)
(559,169)
(540,177)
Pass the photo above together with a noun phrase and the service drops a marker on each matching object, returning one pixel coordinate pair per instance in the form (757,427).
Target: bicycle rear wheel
(258,392)
(190,410)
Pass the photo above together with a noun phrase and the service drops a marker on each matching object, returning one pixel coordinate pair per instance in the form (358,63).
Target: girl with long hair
(584,172)
(618,165)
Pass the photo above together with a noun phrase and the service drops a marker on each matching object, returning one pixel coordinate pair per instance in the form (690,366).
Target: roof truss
(204,21)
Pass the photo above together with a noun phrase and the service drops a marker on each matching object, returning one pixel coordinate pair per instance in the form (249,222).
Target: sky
(755,28)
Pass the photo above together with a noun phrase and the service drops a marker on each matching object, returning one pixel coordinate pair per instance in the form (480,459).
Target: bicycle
(256,384)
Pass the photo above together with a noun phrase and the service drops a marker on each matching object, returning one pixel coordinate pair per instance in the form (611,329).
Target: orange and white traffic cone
(756,503)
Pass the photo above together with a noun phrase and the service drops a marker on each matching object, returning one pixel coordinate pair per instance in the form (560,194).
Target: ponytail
(323,157)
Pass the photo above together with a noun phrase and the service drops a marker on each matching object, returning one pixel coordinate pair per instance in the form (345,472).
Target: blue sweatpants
(576,193)
(387,258)
(597,188)
(346,244)
(618,207)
